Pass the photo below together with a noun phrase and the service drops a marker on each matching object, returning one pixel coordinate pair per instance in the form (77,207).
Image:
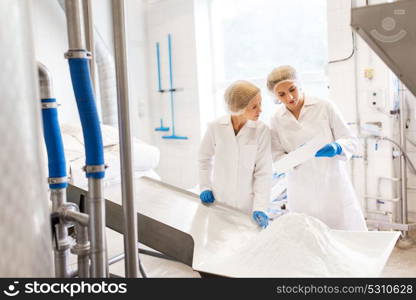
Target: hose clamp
(57,180)
(47,105)
(95,169)
(81,249)
(78,53)
(63,245)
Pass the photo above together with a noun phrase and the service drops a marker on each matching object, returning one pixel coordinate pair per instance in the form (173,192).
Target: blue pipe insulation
(93,141)
(54,144)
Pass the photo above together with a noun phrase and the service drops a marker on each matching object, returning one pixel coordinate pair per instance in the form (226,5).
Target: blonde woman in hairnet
(235,165)
(319,187)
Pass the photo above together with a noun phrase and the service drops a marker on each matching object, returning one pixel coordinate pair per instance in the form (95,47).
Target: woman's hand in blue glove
(261,218)
(207,196)
(329,150)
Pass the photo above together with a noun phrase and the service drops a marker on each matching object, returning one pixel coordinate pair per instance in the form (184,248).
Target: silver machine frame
(377,26)
(126,157)
(91,247)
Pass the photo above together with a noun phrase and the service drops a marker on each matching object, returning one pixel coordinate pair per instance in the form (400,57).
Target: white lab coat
(238,169)
(321,186)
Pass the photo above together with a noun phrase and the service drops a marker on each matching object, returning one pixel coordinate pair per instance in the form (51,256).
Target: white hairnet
(238,95)
(279,75)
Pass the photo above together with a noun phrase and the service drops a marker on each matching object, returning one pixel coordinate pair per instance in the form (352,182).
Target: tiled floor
(153,266)
(402,262)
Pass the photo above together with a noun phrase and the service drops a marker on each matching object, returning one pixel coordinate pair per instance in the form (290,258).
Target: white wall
(51,43)
(137,57)
(343,90)
(178,164)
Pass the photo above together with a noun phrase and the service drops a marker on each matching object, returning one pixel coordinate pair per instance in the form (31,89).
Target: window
(251,37)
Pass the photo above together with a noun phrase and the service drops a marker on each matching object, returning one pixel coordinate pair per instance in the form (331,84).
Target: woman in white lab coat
(319,187)
(235,165)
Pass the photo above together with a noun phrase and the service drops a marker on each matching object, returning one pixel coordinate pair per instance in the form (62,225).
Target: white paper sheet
(302,154)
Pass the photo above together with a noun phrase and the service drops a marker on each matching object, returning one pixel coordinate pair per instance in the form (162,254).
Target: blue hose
(54,145)
(93,141)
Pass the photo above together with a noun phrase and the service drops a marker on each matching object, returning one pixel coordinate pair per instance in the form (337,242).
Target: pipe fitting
(81,249)
(69,213)
(45,82)
(78,53)
(95,169)
(63,244)
(57,180)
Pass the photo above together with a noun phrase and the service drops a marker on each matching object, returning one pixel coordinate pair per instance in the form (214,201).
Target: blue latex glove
(207,196)
(329,150)
(261,218)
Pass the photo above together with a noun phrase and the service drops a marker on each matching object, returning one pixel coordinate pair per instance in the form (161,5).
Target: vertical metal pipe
(89,37)
(58,198)
(97,229)
(129,211)
(96,204)
(365,161)
(45,82)
(83,259)
(403,162)
(74,24)
(354,3)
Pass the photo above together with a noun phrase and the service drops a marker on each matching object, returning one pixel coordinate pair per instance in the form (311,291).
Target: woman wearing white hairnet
(319,187)
(235,165)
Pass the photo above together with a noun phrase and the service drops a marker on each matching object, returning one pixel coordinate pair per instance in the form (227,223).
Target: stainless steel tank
(25,235)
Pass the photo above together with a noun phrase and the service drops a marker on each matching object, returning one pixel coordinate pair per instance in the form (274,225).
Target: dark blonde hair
(238,95)
(280,74)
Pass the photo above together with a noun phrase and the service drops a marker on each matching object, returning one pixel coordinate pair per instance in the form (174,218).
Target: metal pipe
(97,229)
(391,226)
(71,214)
(397,199)
(106,77)
(89,37)
(365,161)
(56,165)
(58,198)
(379,179)
(82,250)
(379,212)
(357,105)
(73,10)
(406,156)
(116,259)
(45,82)
(403,162)
(80,75)
(129,211)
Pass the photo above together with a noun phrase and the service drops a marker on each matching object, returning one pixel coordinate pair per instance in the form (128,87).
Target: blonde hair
(238,95)
(281,74)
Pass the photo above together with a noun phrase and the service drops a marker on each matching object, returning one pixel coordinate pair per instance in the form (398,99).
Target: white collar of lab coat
(226,120)
(308,101)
